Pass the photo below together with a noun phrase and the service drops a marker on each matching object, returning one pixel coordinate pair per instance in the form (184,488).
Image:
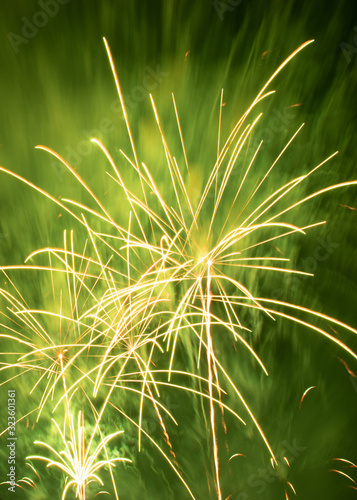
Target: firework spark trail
(48,359)
(210,362)
(305,392)
(236,129)
(76,461)
(53,370)
(159,449)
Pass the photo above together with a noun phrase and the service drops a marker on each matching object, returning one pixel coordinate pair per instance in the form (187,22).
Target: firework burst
(76,461)
(170,279)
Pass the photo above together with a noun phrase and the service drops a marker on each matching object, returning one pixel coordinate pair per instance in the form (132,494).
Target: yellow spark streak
(343,474)
(313,195)
(183,188)
(139,307)
(238,234)
(292,487)
(219,125)
(211,359)
(235,131)
(288,187)
(121,183)
(241,186)
(176,386)
(177,316)
(243,289)
(228,261)
(230,327)
(159,197)
(179,127)
(116,79)
(169,159)
(226,302)
(282,236)
(270,268)
(236,455)
(56,251)
(27,317)
(103,268)
(214,173)
(159,449)
(80,180)
(36,188)
(309,325)
(260,430)
(43,268)
(310,311)
(268,172)
(237,149)
(284,63)
(346,461)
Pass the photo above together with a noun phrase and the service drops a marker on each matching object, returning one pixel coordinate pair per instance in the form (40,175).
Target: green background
(57,90)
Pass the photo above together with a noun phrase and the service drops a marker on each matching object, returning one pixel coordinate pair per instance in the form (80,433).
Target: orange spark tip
(348,206)
(292,487)
(348,370)
(351,464)
(265,53)
(343,474)
(237,455)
